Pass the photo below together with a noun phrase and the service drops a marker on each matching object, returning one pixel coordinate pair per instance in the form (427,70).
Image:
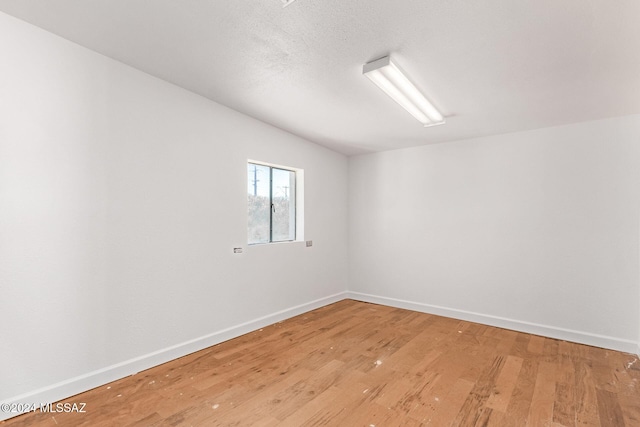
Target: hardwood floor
(359,364)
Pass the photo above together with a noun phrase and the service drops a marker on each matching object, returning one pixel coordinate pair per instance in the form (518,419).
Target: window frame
(297,196)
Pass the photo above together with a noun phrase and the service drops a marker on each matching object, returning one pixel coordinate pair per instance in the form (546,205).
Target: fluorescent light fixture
(388,77)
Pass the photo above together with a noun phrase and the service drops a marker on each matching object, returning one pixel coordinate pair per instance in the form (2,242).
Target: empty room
(318,212)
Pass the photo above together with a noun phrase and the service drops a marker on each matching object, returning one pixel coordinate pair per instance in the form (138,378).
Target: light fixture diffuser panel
(390,78)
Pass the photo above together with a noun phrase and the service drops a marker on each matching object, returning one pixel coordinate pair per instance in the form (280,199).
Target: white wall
(121,198)
(536,231)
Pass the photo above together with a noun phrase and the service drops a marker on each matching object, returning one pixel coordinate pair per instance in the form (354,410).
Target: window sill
(253,245)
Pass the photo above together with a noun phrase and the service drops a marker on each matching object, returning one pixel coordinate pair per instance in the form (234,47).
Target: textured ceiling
(490,66)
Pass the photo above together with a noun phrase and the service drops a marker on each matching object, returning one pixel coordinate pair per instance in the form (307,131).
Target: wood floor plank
(504,385)
(306,411)
(564,410)
(354,363)
(472,411)
(536,344)
(585,395)
(541,410)
(450,405)
(631,409)
(609,410)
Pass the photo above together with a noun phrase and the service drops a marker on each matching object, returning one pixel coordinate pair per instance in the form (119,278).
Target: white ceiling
(490,66)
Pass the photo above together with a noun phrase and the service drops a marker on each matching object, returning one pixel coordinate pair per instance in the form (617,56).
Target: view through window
(271,195)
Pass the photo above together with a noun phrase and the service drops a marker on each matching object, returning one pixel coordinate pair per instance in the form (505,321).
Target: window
(271,200)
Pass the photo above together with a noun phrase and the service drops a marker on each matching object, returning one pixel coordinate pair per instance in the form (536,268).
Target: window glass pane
(284,205)
(259,204)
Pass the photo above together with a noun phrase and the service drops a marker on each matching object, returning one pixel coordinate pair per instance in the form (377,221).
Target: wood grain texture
(360,364)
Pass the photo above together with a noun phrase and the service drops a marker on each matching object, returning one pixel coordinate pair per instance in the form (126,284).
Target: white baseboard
(82,383)
(595,340)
